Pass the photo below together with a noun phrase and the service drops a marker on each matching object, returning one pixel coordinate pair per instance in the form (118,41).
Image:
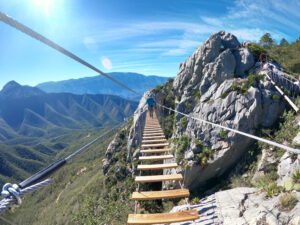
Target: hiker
(151,104)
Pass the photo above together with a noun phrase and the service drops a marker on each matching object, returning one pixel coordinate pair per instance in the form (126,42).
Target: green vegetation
(288,201)
(181,144)
(296,176)
(183,122)
(256,50)
(198,143)
(252,80)
(286,54)
(167,97)
(223,134)
(205,155)
(287,128)
(196,94)
(195,200)
(81,194)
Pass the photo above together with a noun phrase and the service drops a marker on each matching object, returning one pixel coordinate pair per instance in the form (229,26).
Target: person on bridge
(151,104)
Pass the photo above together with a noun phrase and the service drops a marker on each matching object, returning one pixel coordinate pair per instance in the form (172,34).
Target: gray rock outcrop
(243,206)
(215,71)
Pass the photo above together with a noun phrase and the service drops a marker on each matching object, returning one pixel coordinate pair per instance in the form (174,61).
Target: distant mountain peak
(101,85)
(11,85)
(14,89)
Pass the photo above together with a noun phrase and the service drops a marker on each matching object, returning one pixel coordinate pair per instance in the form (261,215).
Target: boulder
(245,61)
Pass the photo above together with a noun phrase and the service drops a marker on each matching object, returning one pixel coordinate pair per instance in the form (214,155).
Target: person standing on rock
(151,104)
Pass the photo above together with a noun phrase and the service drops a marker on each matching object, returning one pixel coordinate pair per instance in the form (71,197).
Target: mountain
(27,109)
(232,179)
(101,85)
(35,125)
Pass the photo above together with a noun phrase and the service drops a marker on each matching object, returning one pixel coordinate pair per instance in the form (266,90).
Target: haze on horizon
(148,37)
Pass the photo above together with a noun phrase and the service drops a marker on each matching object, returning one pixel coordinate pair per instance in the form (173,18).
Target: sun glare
(46,6)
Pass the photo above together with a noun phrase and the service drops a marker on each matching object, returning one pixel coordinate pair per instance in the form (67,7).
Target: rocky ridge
(217,83)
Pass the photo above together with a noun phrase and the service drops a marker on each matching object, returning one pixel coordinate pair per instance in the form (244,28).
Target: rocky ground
(243,206)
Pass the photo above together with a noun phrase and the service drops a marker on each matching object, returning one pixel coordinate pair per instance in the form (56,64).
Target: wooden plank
(154,141)
(153,129)
(154,137)
(162,218)
(152,133)
(155,145)
(158,178)
(156,157)
(152,125)
(156,150)
(166,194)
(157,166)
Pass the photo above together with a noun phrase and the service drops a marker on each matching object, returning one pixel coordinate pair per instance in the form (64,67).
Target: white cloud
(106,63)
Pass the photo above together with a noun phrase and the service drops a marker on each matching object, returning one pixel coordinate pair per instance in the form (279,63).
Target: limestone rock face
(242,206)
(216,71)
(287,166)
(212,85)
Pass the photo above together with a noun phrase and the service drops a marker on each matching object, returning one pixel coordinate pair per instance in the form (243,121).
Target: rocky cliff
(218,83)
(213,84)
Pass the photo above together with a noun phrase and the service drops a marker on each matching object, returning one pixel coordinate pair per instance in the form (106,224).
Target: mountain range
(101,85)
(35,125)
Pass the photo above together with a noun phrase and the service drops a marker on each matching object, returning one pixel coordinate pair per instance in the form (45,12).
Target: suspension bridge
(155,148)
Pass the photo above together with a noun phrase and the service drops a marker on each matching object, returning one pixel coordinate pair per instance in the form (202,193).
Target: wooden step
(153,195)
(152,129)
(158,178)
(147,134)
(162,218)
(152,126)
(153,141)
(155,145)
(157,166)
(154,137)
(156,150)
(156,157)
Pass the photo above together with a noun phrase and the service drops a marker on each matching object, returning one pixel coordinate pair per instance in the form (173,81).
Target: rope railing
(284,147)
(10,201)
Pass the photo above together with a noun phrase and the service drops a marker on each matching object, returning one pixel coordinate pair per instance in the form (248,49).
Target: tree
(283,42)
(266,40)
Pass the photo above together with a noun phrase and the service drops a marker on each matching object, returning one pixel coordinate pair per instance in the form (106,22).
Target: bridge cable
(287,148)
(21,27)
(30,184)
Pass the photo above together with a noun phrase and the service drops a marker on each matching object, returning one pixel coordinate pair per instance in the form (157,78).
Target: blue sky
(148,37)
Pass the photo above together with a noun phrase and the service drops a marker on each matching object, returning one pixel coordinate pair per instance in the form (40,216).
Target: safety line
(21,27)
(61,162)
(287,148)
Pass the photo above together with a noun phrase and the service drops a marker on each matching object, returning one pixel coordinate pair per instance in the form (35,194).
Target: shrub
(204,156)
(296,176)
(267,183)
(256,50)
(223,134)
(196,94)
(183,122)
(181,146)
(198,143)
(195,200)
(288,201)
(272,189)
